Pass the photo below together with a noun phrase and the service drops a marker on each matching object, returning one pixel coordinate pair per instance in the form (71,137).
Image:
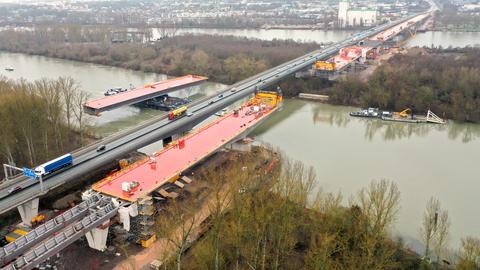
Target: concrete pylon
(28,211)
(97,238)
(124,217)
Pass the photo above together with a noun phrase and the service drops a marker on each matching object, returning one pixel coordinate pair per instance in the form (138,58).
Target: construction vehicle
(405,113)
(177,112)
(39,219)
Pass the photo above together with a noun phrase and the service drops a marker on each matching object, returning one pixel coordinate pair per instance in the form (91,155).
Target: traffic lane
(296,66)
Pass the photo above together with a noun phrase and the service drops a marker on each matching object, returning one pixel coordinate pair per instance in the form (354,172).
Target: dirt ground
(382,58)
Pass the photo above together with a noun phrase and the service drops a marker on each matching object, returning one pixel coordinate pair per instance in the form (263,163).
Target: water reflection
(327,114)
(390,131)
(466,132)
(337,116)
(289,108)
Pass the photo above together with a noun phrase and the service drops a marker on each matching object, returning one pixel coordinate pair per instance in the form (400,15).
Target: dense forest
(446,83)
(40,120)
(222,59)
(282,220)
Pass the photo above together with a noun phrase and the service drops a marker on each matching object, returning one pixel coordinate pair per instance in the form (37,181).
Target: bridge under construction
(129,193)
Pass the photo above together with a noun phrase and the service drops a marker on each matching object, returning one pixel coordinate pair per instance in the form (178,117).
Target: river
(444,39)
(347,153)
(96,79)
(424,160)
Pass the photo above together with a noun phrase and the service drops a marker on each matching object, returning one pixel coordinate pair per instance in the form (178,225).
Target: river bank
(428,39)
(222,59)
(346,153)
(442,81)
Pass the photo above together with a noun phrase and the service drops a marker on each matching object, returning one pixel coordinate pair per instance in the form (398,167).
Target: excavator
(405,113)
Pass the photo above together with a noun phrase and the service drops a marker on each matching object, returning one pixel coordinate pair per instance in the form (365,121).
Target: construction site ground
(374,64)
(197,196)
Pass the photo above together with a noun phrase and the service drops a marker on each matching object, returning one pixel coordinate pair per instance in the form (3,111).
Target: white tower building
(355,16)
(342,13)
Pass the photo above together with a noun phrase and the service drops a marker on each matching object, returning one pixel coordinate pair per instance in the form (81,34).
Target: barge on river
(404,116)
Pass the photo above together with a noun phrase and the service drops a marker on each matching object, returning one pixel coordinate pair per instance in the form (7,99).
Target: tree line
(223,59)
(40,120)
(446,83)
(283,221)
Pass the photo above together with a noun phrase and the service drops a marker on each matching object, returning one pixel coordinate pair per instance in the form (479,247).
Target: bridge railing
(32,238)
(62,239)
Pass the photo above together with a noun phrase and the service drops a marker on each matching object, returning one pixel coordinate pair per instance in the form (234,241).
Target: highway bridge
(157,129)
(86,218)
(88,159)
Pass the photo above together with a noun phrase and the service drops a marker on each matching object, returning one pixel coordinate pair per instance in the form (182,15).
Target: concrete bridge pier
(28,211)
(97,238)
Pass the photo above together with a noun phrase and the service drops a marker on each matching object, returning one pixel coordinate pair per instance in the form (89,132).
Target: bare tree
(435,229)
(380,204)
(69,88)
(82,121)
(469,256)
(177,227)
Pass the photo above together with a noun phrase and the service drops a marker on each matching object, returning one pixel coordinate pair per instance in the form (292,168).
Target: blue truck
(53,165)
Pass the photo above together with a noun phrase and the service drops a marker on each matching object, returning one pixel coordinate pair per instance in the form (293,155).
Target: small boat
(110,92)
(114,91)
(370,112)
(9,69)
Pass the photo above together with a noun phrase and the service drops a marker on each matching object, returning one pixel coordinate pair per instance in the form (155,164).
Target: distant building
(351,17)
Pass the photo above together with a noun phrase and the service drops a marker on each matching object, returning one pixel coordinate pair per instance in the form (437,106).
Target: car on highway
(100,148)
(15,189)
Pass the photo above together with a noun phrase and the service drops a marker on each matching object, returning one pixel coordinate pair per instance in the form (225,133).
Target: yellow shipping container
(323,65)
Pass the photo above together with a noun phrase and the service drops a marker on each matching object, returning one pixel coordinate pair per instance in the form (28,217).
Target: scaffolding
(142,226)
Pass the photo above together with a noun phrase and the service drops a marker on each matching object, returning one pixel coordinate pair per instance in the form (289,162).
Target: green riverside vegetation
(445,82)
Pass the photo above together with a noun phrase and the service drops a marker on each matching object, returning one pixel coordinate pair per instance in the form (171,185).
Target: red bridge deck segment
(176,158)
(393,31)
(149,91)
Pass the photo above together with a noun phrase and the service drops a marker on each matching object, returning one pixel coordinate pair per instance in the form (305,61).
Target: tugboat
(370,112)
(9,69)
